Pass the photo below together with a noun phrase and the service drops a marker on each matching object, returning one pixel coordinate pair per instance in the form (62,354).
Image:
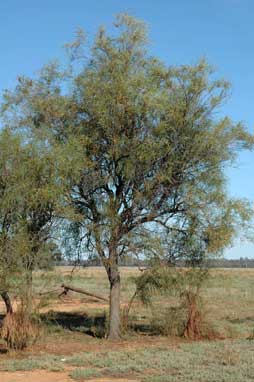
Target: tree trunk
(5,296)
(114,315)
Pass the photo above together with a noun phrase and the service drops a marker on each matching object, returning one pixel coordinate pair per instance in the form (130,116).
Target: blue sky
(181,31)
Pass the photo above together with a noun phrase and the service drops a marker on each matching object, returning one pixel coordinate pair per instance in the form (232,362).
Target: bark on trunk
(114,315)
(5,296)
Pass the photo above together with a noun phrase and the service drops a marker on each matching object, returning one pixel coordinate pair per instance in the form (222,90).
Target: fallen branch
(79,290)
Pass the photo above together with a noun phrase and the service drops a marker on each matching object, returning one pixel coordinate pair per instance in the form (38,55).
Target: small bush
(184,314)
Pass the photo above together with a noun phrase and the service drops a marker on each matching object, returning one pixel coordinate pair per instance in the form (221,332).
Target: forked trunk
(114,315)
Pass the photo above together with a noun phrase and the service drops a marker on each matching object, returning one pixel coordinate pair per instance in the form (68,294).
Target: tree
(29,199)
(8,213)
(146,149)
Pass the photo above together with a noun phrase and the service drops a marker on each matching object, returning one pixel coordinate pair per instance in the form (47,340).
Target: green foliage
(142,143)
(31,197)
(168,281)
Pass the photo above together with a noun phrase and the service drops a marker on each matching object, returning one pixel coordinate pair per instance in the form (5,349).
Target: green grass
(199,361)
(46,362)
(228,296)
(217,361)
(83,374)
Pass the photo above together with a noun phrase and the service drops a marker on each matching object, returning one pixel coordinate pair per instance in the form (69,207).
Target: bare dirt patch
(49,376)
(35,376)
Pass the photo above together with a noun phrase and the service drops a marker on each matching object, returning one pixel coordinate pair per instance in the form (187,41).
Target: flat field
(72,347)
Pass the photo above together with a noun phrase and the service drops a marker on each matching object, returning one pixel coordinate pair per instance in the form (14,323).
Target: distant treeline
(243,262)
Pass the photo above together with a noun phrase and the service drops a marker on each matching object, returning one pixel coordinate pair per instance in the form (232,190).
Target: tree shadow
(83,323)
(143,328)
(3,349)
(92,325)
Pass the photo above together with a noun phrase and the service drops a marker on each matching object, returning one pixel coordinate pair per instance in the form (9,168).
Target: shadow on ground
(90,325)
(95,326)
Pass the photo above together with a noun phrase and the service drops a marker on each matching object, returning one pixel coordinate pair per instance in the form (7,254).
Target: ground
(72,346)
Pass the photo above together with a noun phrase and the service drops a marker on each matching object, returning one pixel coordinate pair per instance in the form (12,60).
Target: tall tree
(146,147)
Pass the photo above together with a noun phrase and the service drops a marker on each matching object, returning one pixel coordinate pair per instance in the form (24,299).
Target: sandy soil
(46,376)
(34,376)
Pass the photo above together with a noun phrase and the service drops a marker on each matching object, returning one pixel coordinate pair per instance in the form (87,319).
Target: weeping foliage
(184,315)
(168,281)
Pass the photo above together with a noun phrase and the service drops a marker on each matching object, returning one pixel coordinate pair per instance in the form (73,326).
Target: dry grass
(227,296)
(19,330)
(229,303)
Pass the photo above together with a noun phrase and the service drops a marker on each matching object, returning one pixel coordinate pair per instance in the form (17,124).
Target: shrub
(185,315)
(19,330)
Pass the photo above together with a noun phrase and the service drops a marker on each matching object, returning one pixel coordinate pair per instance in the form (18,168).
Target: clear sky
(181,31)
